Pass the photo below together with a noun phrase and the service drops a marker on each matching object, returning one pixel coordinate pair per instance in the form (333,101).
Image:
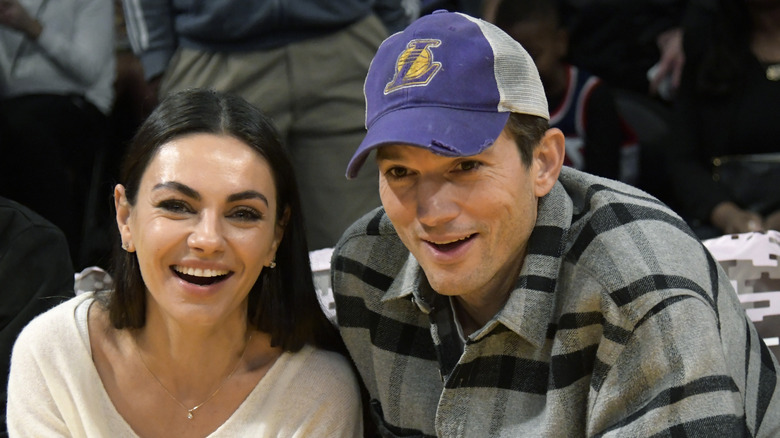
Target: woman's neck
(192,353)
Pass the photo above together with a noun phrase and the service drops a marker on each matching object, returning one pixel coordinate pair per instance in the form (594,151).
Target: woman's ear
(123,218)
(548,160)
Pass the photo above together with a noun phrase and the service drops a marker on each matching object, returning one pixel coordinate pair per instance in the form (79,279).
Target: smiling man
(499,294)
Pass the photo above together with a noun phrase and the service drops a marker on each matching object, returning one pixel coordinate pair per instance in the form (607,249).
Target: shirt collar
(411,280)
(529,309)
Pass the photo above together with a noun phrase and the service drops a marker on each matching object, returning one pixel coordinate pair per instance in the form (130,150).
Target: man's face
(466,220)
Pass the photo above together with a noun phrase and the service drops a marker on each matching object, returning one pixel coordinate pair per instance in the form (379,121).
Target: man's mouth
(452,244)
(201,277)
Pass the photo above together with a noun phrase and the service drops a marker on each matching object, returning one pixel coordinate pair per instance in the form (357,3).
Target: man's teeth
(452,241)
(197,272)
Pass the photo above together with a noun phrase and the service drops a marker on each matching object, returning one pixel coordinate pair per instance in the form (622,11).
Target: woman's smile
(201,277)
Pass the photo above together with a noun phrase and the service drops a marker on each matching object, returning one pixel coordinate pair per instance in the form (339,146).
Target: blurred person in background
(633,45)
(303,63)
(56,90)
(581,105)
(36,274)
(726,168)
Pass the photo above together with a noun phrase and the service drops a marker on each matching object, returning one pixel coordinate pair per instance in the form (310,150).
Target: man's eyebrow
(247,194)
(387,154)
(179,187)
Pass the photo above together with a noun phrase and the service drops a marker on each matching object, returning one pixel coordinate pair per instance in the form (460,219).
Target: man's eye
(469,165)
(175,206)
(398,172)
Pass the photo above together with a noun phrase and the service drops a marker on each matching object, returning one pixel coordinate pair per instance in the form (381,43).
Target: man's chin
(448,285)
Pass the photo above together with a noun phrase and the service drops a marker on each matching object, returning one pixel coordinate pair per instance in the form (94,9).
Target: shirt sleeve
(90,40)
(392,14)
(32,410)
(151,33)
(681,373)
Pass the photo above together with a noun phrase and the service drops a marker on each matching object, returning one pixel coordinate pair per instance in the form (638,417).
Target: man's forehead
(398,151)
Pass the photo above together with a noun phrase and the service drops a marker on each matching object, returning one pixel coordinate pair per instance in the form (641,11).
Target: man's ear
(122,207)
(548,160)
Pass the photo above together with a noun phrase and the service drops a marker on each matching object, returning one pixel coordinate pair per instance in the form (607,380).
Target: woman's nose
(207,235)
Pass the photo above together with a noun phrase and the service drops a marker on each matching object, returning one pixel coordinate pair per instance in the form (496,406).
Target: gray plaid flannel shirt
(620,324)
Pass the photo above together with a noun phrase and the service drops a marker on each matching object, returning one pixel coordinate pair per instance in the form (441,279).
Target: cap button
(440,11)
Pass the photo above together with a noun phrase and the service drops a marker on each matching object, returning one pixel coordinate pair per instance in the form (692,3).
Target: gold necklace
(190,411)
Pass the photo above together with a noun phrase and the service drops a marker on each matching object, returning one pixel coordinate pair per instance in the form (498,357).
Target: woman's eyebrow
(247,194)
(192,193)
(179,187)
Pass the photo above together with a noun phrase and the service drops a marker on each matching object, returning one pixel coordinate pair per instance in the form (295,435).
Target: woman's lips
(201,277)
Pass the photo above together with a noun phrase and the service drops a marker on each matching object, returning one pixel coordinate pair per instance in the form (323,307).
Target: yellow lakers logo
(415,66)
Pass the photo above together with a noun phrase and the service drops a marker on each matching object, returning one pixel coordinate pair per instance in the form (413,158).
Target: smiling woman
(213,327)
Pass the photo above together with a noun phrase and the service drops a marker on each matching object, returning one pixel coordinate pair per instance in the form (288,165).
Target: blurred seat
(751,262)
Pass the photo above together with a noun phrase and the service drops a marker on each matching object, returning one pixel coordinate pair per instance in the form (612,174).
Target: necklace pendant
(189,415)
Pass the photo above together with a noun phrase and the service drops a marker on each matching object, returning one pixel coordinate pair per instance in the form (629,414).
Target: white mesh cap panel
(518,80)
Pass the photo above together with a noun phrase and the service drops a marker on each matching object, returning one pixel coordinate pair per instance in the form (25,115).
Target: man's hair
(527,131)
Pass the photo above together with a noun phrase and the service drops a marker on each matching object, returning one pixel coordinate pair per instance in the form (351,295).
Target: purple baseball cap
(448,83)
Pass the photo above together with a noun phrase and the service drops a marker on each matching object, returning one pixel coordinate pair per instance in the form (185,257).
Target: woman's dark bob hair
(283,301)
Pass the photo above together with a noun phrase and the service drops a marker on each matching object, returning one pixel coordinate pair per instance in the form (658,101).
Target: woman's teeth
(197,272)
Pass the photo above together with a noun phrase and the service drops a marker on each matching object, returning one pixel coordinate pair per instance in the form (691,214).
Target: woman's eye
(246,214)
(175,206)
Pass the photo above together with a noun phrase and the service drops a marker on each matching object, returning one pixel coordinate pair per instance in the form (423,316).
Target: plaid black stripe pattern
(620,324)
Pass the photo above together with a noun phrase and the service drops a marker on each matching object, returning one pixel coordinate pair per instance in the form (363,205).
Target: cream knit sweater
(55,390)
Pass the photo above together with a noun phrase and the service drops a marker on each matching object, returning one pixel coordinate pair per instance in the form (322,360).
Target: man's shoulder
(615,203)
(369,233)
(369,246)
(631,243)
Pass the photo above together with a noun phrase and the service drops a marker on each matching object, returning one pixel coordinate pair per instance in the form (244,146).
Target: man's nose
(437,202)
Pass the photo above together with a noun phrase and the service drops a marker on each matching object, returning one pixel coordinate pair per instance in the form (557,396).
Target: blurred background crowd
(676,97)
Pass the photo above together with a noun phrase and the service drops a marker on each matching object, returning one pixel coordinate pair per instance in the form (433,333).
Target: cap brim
(445,131)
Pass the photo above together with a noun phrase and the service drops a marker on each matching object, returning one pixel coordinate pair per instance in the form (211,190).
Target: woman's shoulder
(323,368)
(57,328)
(326,359)
(309,392)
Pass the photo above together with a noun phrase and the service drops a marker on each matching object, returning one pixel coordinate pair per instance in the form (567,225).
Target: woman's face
(203,227)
